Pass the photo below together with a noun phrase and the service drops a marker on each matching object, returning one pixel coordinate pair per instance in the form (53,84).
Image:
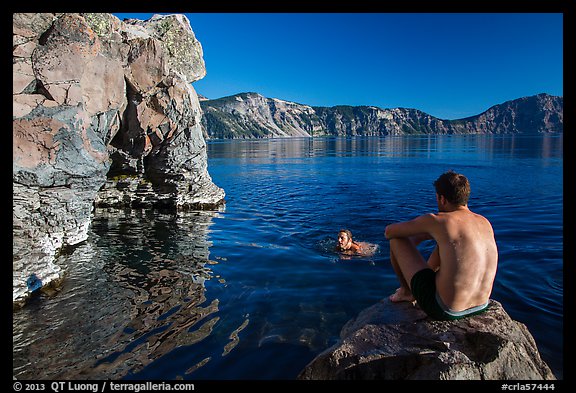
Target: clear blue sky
(448,65)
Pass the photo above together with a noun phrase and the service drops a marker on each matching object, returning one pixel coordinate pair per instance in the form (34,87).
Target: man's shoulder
(446,218)
(428,220)
(466,216)
(428,215)
(479,216)
(431,216)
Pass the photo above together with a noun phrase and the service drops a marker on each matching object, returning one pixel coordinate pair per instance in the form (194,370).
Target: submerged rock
(398,341)
(95,101)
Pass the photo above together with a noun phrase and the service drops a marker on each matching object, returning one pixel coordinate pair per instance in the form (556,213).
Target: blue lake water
(254,290)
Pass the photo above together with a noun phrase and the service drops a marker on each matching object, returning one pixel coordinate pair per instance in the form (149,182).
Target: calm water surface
(254,291)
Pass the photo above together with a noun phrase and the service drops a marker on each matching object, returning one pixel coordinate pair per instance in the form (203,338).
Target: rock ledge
(398,341)
(104,114)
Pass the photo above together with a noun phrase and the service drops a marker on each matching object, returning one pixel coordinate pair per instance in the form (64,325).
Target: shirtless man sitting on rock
(457,280)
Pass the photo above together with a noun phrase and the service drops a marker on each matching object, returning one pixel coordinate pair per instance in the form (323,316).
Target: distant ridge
(251,115)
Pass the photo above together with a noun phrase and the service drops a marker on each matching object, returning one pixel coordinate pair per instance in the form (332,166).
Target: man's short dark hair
(454,187)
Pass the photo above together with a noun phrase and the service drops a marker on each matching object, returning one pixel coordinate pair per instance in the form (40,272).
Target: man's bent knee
(407,257)
(401,241)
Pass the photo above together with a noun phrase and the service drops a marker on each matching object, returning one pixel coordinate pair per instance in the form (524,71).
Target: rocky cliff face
(250,115)
(541,113)
(103,113)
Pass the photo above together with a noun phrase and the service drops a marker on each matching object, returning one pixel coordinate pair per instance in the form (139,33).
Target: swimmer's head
(344,239)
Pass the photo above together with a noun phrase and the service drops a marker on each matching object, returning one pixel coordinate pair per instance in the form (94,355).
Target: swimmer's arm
(418,228)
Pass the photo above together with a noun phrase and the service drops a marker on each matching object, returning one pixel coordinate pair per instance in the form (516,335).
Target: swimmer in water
(346,245)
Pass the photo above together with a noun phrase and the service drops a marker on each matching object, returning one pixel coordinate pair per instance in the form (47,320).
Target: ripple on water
(148,304)
(255,290)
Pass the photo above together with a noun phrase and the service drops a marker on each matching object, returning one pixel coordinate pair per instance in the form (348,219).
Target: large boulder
(95,101)
(397,341)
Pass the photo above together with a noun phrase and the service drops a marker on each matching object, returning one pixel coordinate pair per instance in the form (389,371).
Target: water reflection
(513,146)
(133,294)
(143,299)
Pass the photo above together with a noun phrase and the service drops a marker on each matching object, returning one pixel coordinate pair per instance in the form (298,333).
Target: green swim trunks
(423,287)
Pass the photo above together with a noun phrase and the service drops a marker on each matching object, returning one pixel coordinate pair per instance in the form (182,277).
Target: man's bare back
(468,257)
(459,274)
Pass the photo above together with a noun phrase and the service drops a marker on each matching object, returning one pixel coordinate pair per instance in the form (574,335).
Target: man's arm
(434,260)
(418,228)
